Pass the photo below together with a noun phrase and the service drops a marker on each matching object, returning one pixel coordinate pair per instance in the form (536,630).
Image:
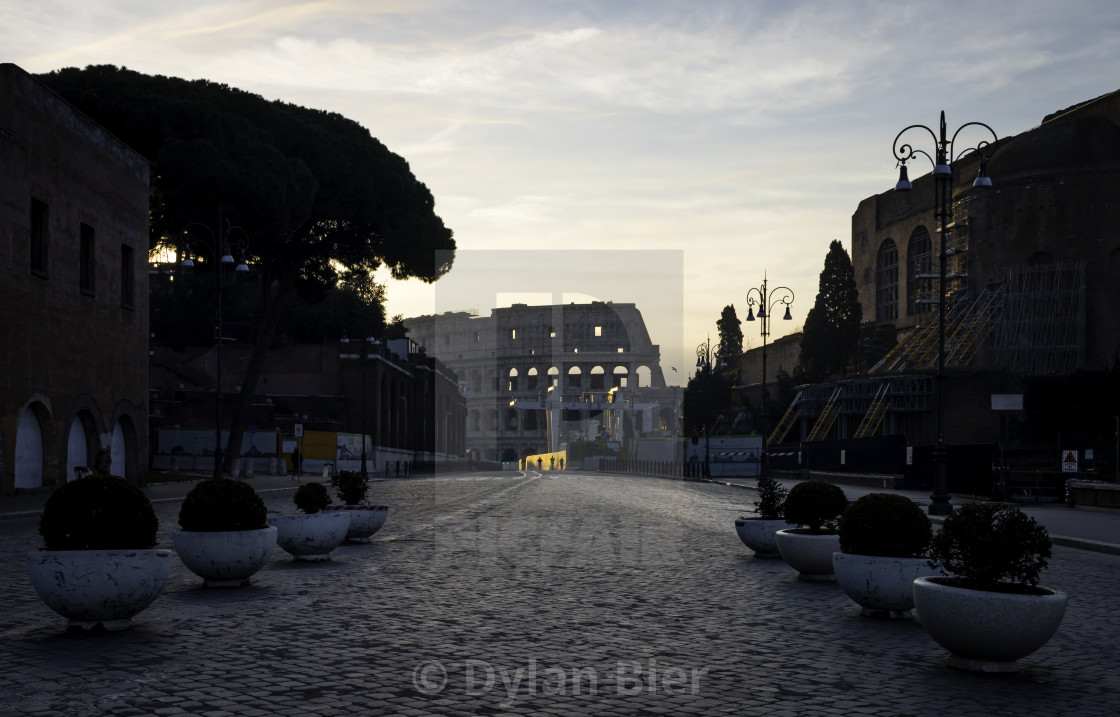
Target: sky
(685,150)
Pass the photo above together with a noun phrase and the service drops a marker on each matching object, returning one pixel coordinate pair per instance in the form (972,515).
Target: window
(598,330)
(513,333)
(127,277)
(886,282)
(86,258)
(551,332)
(40,237)
(917,263)
(620,349)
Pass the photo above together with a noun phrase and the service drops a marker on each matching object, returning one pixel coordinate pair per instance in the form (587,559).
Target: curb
(1094,546)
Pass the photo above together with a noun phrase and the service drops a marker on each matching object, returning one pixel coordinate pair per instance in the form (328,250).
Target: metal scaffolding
(1041,327)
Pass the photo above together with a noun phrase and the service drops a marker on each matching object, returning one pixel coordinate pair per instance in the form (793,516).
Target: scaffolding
(1041,327)
(869,398)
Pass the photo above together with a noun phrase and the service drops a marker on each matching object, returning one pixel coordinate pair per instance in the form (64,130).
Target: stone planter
(365,520)
(106,587)
(758,535)
(225,558)
(810,555)
(313,536)
(882,587)
(986,631)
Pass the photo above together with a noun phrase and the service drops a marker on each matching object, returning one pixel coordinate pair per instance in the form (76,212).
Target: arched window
(618,377)
(886,282)
(918,262)
(532,376)
(513,379)
(1040,258)
(598,381)
(575,377)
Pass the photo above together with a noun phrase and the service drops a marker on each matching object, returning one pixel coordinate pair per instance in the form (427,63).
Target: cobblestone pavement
(563,594)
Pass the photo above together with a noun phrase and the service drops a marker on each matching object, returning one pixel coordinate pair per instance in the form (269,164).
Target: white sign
(1007,402)
(1069,461)
(299,430)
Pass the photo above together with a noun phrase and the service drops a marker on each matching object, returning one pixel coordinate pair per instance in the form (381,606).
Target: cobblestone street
(561,594)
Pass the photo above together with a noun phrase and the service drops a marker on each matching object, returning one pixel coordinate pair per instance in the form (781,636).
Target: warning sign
(1069,461)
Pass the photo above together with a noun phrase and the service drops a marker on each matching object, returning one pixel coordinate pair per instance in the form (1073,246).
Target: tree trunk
(252,375)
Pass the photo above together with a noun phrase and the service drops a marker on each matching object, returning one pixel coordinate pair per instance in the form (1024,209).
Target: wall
(71,361)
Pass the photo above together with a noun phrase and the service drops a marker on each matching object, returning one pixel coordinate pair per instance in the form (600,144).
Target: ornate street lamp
(221,249)
(766,300)
(704,364)
(944,161)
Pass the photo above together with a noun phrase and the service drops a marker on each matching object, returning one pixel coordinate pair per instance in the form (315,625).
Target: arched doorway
(33,438)
(81,443)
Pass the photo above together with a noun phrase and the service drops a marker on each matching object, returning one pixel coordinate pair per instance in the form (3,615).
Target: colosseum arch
(575,377)
(598,380)
(531,378)
(553,376)
(512,385)
(619,377)
(644,377)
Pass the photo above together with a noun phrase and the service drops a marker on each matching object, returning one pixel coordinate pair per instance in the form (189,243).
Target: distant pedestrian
(561,463)
(102,462)
(297,462)
(540,463)
(552,463)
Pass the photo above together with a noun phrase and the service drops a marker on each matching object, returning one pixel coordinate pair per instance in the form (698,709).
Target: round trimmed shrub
(350,486)
(815,504)
(986,544)
(99,512)
(222,504)
(887,525)
(312,497)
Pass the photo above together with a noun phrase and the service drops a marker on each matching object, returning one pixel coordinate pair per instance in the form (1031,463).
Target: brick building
(73,291)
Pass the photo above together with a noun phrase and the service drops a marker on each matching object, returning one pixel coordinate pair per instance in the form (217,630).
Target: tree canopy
(319,199)
(831,334)
(730,338)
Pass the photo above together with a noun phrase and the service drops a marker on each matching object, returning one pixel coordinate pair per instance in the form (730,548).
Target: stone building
(73,288)
(524,363)
(409,405)
(1045,230)
(1032,282)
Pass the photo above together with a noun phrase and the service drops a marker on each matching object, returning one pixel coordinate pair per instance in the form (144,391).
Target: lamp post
(221,249)
(361,357)
(704,364)
(943,161)
(767,300)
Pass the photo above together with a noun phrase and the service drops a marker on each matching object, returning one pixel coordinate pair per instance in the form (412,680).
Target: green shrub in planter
(771,499)
(887,525)
(350,486)
(815,504)
(222,504)
(993,547)
(312,497)
(99,512)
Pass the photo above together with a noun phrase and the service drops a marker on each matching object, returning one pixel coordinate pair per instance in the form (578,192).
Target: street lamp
(943,187)
(704,364)
(221,249)
(361,356)
(766,300)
